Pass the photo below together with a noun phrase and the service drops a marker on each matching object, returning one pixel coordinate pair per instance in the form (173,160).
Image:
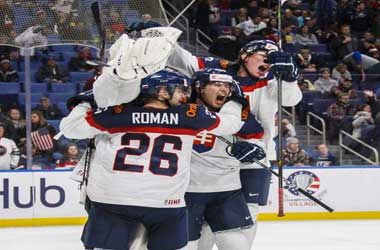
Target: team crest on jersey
(306,180)
(203,142)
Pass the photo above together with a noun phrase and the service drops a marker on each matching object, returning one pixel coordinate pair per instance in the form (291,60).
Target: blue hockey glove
(237,95)
(86,96)
(284,65)
(246,152)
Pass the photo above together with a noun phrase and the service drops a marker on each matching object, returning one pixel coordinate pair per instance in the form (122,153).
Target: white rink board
(345,189)
(53,193)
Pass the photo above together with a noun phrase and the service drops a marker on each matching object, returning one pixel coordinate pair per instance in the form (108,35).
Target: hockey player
(214,194)
(253,69)
(9,153)
(140,169)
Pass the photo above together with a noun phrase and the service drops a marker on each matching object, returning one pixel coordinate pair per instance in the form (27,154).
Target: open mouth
(264,68)
(221,98)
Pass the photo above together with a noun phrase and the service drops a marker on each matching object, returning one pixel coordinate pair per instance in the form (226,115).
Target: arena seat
(38,88)
(66,87)
(59,97)
(78,76)
(54,123)
(320,105)
(35,97)
(9,87)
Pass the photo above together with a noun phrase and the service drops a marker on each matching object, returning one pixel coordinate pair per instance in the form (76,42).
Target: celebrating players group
(176,140)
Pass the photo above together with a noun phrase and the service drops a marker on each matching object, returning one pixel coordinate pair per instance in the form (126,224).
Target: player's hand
(86,96)
(246,152)
(237,95)
(284,65)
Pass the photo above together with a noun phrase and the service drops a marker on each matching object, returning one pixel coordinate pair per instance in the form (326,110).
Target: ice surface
(302,235)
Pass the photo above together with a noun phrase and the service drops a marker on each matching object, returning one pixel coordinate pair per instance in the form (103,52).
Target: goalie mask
(212,86)
(175,86)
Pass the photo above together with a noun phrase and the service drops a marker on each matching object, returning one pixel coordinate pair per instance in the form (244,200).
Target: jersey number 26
(158,154)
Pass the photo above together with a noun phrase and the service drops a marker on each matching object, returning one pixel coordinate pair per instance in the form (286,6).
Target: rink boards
(51,198)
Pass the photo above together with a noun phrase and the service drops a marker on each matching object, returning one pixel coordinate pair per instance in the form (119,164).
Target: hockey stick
(280,156)
(282,179)
(96,12)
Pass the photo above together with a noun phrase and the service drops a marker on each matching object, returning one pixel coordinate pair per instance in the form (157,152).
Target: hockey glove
(284,65)
(246,152)
(86,96)
(237,95)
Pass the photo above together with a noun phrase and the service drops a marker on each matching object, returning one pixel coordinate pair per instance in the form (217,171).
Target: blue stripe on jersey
(251,129)
(183,119)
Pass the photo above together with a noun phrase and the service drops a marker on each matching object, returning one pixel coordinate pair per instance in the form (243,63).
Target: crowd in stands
(336,45)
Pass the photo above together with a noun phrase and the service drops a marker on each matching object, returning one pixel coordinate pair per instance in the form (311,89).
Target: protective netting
(41,22)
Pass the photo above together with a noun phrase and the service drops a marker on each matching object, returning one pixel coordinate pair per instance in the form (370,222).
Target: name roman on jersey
(154,118)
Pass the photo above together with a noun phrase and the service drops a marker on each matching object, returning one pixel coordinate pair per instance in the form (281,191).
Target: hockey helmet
(201,78)
(259,45)
(169,80)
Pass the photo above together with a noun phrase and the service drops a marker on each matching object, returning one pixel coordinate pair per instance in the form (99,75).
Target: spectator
(293,154)
(325,83)
(374,103)
(288,34)
(9,129)
(9,153)
(7,74)
(338,116)
(306,61)
(323,157)
(344,43)
(226,45)
(361,19)
(305,85)
(48,110)
(362,120)
(344,12)
(344,86)
(289,19)
(42,154)
(288,129)
(116,23)
(253,8)
(18,123)
(252,25)
(52,72)
(79,63)
(239,17)
(341,71)
(6,17)
(202,21)
(305,37)
(71,157)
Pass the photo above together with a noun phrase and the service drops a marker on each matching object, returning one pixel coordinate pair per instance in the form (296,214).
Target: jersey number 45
(158,154)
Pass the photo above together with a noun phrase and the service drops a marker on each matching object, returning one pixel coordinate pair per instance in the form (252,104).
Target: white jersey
(262,92)
(212,169)
(143,155)
(9,154)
